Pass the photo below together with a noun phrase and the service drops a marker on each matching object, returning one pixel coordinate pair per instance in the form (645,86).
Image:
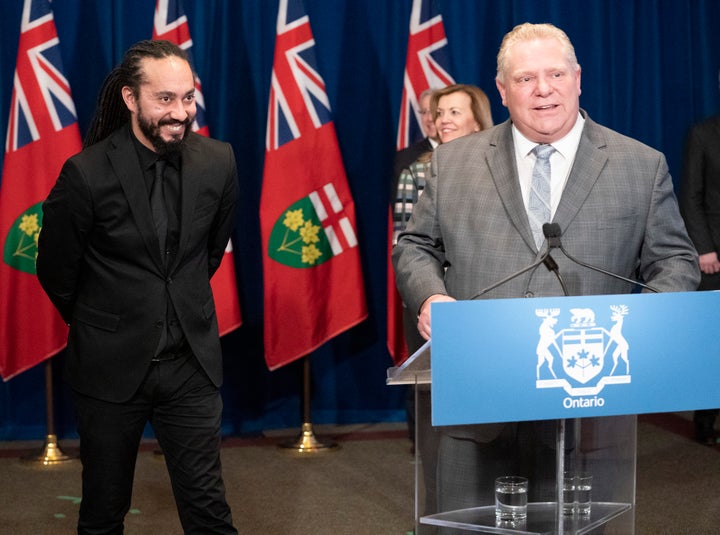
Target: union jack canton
(41,99)
(426,67)
(298,100)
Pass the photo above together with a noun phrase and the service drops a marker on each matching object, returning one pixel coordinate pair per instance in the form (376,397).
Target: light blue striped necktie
(539,204)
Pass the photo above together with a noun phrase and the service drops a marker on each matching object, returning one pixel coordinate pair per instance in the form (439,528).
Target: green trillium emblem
(297,238)
(21,241)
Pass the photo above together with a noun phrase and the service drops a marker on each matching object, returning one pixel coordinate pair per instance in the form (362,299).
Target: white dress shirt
(560,162)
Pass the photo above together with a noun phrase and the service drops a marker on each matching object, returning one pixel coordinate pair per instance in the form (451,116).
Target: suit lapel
(589,163)
(125,163)
(503,169)
(189,183)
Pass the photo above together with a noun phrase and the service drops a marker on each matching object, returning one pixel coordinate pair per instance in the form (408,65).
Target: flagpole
(307,442)
(51,452)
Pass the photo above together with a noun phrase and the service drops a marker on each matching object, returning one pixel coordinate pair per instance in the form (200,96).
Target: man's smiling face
(163,109)
(541,90)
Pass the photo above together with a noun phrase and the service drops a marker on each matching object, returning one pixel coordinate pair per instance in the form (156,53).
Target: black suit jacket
(99,261)
(700,185)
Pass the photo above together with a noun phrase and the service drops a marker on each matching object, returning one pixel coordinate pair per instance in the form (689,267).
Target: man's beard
(152,132)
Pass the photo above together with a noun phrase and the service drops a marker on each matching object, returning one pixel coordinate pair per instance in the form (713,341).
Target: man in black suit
(700,208)
(132,232)
(406,156)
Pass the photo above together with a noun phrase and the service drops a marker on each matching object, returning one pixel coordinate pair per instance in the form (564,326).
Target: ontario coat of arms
(591,356)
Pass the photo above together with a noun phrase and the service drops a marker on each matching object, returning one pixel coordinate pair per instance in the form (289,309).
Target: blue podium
(582,367)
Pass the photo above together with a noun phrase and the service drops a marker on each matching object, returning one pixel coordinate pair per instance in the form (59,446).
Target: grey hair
(528,32)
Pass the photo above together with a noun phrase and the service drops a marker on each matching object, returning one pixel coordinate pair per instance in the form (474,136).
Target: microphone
(552,233)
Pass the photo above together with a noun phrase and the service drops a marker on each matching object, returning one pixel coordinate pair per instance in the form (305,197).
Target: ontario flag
(171,24)
(426,67)
(313,285)
(42,133)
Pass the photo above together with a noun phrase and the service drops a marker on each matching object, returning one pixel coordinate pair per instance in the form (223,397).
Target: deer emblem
(621,351)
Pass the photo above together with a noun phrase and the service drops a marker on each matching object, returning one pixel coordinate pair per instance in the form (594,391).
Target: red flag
(171,24)
(395,336)
(313,281)
(426,67)
(42,133)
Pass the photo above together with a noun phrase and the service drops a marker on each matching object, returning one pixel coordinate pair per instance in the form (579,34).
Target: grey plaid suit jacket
(470,228)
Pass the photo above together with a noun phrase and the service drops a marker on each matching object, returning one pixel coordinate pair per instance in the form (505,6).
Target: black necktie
(157,203)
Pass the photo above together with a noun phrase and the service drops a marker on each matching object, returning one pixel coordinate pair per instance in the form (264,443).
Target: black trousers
(184,409)
(704,420)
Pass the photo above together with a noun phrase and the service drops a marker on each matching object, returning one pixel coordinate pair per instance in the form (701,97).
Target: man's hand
(424,317)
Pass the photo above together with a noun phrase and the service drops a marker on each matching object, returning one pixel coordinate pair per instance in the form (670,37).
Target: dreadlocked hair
(111,112)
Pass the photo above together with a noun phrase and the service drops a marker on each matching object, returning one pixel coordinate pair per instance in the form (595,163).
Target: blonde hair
(528,32)
(479,102)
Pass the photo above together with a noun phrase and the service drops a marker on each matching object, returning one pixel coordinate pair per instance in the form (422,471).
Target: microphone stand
(552,242)
(552,266)
(609,273)
(552,235)
(542,260)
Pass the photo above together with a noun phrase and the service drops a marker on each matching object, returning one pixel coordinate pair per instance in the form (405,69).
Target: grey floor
(365,486)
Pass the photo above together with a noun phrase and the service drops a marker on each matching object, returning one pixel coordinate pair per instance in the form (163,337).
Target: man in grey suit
(134,228)
(611,196)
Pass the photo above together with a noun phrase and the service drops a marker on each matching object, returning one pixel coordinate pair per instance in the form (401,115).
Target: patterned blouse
(410,186)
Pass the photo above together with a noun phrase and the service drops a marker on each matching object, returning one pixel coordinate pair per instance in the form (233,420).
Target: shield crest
(583,353)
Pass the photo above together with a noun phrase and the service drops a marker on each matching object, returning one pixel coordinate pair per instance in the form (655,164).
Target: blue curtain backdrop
(650,69)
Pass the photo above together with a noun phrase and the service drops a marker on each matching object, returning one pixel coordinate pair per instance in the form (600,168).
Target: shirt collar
(566,146)
(148,157)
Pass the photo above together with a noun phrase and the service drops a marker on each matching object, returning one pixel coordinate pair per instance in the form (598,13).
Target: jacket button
(529,294)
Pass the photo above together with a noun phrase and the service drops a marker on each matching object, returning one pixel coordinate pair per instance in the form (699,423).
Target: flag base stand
(50,454)
(307,442)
